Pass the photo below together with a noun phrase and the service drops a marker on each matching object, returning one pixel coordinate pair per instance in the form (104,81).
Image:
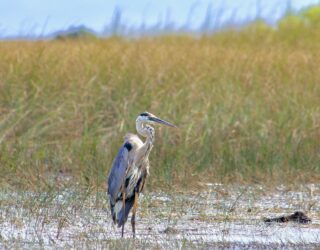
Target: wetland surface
(217,216)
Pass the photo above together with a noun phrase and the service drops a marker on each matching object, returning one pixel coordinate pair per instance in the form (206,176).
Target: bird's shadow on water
(216,216)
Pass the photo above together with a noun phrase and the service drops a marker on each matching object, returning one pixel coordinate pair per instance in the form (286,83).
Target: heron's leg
(133,218)
(133,222)
(122,230)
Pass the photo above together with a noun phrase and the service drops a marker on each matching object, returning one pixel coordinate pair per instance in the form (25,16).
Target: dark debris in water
(298,217)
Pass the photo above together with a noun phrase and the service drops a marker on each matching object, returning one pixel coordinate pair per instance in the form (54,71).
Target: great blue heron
(130,169)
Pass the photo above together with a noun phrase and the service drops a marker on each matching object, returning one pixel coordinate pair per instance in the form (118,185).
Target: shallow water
(226,216)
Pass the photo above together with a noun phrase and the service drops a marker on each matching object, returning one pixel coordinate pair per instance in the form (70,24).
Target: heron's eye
(144,114)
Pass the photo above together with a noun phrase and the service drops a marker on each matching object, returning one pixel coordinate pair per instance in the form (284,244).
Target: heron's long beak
(158,120)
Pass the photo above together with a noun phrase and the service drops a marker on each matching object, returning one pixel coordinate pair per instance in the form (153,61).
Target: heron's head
(147,117)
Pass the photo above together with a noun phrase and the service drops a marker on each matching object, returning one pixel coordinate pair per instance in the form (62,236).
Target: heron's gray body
(127,176)
(130,170)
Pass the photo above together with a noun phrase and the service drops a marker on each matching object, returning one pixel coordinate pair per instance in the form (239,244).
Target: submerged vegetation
(246,103)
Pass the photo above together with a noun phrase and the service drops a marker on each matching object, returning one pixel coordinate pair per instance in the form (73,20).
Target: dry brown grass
(247,105)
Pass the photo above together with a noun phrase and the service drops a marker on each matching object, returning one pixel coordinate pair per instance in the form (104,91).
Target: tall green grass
(247,105)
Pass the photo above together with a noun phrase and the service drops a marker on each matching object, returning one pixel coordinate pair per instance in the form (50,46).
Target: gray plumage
(118,171)
(115,180)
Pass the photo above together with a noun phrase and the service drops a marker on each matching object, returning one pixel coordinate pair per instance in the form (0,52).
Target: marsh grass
(247,105)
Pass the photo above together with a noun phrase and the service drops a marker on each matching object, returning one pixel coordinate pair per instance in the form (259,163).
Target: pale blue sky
(44,16)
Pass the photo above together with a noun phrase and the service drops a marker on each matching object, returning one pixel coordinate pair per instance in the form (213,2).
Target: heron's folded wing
(118,172)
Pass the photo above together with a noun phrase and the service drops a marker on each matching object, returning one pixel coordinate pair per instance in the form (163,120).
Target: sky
(23,17)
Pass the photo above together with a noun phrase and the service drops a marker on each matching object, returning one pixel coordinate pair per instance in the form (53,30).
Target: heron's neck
(146,131)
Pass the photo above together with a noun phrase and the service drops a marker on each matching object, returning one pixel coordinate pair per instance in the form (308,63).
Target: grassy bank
(247,105)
